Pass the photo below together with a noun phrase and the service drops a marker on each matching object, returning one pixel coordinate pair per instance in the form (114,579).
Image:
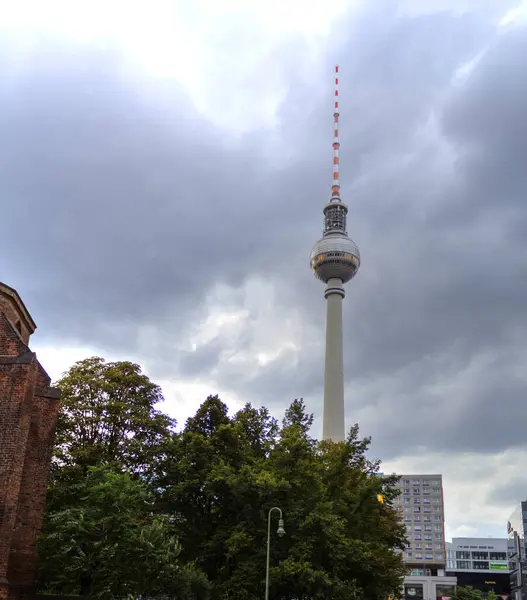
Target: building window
(437,518)
(498,556)
(439,546)
(417,501)
(429,556)
(413,591)
(428,527)
(408,554)
(439,555)
(462,554)
(417,509)
(444,591)
(428,537)
(463,564)
(418,555)
(417,536)
(438,528)
(407,490)
(480,556)
(407,499)
(480,564)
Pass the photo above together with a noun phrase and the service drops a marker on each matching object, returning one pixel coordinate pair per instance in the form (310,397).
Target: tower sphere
(335,256)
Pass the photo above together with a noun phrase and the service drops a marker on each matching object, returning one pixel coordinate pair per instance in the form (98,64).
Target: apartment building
(422,511)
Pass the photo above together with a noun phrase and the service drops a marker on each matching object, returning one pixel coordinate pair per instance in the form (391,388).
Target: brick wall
(28,414)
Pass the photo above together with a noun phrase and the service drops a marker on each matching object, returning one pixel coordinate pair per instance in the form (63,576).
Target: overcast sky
(162,175)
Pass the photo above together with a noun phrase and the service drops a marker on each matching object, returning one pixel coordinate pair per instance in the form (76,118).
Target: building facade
(476,555)
(517,551)
(422,511)
(28,414)
(481,563)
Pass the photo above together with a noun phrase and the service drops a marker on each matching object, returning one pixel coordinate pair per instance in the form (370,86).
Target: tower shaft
(333,427)
(335,260)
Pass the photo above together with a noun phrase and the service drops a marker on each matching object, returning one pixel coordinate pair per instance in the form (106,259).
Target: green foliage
(120,469)
(113,544)
(491,595)
(108,416)
(220,480)
(466,593)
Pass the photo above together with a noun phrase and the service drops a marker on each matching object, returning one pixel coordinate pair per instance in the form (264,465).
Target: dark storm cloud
(126,208)
(434,290)
(509,493)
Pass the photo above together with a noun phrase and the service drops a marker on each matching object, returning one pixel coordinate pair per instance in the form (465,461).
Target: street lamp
(281,532)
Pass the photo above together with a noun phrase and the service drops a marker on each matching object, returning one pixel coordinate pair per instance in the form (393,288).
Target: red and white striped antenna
(335,188)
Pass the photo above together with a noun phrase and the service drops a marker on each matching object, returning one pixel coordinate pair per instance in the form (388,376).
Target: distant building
(481,563)
(422,511)
(517,552)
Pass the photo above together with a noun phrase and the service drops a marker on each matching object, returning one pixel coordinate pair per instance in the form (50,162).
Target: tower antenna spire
(335,188)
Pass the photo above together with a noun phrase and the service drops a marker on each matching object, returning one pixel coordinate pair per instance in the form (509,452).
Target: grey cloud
(123,206)
(509,493)
(132,212)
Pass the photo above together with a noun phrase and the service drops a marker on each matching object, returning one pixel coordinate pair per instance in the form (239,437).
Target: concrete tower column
(335,260)
(334,427)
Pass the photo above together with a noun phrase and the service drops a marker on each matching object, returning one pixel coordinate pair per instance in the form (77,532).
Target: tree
(466,593)
(223,474)
(95,549)
(125,486)
(108,416)
(491,595)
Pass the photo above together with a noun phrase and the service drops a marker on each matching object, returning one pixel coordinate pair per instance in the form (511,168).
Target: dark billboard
(499,582)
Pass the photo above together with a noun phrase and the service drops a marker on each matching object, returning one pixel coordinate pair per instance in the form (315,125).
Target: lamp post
(281,532)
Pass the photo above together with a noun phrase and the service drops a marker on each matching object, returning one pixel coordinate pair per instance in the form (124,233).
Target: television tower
(335,260)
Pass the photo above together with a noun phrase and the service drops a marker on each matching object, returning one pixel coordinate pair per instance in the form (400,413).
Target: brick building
(28,413)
